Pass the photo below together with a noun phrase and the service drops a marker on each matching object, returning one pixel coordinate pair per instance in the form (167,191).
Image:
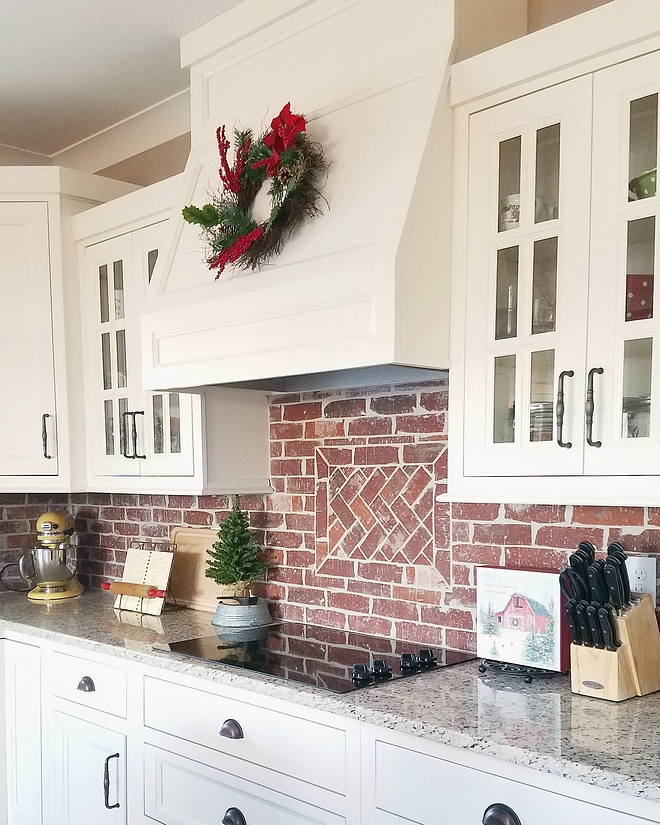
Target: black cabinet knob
(362,675)
(86,685)
(381,669)
(499,814)
(427,658)
(231,730)
(233,817)
(409,661)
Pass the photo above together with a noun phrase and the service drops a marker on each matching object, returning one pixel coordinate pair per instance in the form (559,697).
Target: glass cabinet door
(526,297)
(623,300)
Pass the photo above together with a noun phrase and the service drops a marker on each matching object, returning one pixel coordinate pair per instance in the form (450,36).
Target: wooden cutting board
(188,584)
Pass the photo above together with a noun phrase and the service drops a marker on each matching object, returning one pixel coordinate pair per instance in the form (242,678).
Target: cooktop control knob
(409,661)
(362,675)
(381,670)
(427,658)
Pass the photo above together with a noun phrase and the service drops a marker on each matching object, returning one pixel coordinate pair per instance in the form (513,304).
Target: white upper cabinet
(556,380)
(41,422)
(365,283)
(152,441)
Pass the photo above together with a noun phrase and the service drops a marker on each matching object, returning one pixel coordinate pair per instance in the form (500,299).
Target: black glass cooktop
(336,660)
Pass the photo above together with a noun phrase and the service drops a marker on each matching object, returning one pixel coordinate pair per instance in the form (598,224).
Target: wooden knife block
(631,670)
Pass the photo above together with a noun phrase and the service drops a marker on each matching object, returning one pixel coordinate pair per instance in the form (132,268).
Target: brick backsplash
(353,533)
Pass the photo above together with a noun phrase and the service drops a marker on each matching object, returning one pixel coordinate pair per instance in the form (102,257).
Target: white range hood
(367,283)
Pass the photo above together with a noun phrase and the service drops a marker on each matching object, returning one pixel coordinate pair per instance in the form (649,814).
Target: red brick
(266,520)
(379,572)
(461,596)
(198,517)
(415,594)
(273,556)
(300,521)
(155,531)
(461,640)
(337,456)
(326,618)
(447,618)
(371,456)
(138,514)
(654,516)
(434,401)
(277,484)
(150,500)
(286,467)
(370,624)
(275,412)
(346,408)
(610,516)
(14,498)
(370,588)
(286,431)
(276,449)
(502,533)
(213,502)
(300,448)
(300,558)
(299,595)
(542,558)
(114,542)
(310,466)
(393,404)
(431,423)
(125,499)
(127,528)
(394,609)
(421,453)
(390,439)
(112,513)
(324,429)
(372,425)
(14,526)
(181,502)
(284,503)
(271,590)
(348,601)
(460,531)
(25,541)
(283,539)
(325,582)
(422,634)
(648,541)
(168,516)
(286,575)
(476,554)
(344,568)
(535,513)
(568,537)
(302,412)
(475,512)
(253,501)
(461,573)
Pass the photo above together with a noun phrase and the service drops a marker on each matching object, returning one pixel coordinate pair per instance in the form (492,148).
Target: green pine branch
(236,555)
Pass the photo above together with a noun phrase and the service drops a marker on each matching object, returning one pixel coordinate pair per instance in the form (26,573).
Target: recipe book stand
(631,670)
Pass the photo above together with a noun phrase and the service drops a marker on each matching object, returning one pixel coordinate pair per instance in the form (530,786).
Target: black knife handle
(588,548)
(614,585)
(579,563)
(589,406)
(616,547)
(619,558)
(614,624)
(591,611)
(571,621)
(607,628)
(599,591)
(578,586)
(583,624)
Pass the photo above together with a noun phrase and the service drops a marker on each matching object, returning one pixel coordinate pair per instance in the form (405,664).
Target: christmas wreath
(292,163)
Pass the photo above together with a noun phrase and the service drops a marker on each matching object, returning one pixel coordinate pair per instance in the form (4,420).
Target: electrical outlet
(642,573)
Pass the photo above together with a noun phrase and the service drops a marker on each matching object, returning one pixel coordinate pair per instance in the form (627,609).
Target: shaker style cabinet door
(527,283)
(90,773)
(624,317)
(28,435)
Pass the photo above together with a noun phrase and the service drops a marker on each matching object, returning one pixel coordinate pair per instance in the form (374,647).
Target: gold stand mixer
(46,566)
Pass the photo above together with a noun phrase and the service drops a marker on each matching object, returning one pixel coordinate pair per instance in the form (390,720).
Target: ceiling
(71,68)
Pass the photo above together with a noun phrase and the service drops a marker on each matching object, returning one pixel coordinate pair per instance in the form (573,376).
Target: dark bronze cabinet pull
(589,406)
(86,684)
(231,730)
(233,817)
(106,783)
(124,435)
(135,434)
(499,814)
(561,408)
(44,435)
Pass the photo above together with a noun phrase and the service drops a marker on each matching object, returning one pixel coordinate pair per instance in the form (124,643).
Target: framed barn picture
(520,618)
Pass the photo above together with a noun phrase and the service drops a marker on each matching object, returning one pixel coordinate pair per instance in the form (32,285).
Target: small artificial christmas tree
(235,557)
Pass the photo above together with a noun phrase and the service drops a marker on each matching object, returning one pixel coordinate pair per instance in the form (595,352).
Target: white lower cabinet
(89,773)
(23,732)
(180,791)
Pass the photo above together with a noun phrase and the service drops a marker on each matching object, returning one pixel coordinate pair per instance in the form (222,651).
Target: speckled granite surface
(542,726)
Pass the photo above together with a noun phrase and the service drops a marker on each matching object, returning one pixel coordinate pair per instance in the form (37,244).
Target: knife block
(631,670)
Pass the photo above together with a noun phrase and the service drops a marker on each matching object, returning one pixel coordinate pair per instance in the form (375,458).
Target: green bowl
(643,186)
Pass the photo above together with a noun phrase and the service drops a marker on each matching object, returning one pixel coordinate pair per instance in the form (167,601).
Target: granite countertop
(542,726)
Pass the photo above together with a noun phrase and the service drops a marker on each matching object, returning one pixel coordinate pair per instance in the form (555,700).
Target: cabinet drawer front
(179,791)
(92,684)
(461,795)
(305,750)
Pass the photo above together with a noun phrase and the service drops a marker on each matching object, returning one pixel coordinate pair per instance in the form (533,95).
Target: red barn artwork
(523,613)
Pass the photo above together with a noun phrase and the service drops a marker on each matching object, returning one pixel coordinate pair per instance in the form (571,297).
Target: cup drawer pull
(231,730)
(86,685)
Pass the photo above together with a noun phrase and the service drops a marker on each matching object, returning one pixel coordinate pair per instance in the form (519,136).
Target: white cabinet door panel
(27,381)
